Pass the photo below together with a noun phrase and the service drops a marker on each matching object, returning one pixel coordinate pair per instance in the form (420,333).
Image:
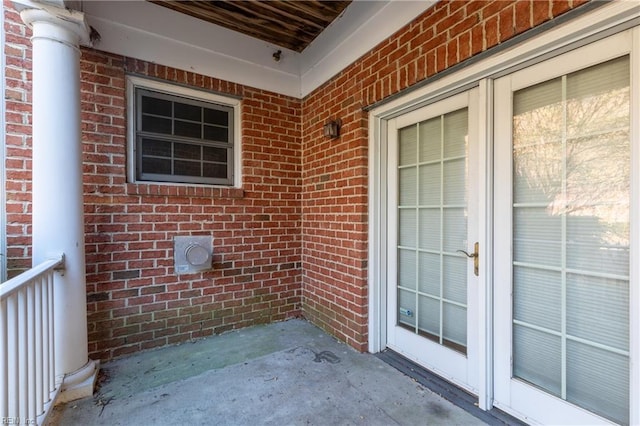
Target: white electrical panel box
(192,253)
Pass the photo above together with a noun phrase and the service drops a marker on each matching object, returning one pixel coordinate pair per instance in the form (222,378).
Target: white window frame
(595,25)
(135,82)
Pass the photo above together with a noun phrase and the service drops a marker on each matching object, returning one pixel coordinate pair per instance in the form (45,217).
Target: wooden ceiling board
(292,24)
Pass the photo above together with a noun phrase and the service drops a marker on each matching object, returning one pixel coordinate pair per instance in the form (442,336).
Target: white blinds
(432,225)
(571,194)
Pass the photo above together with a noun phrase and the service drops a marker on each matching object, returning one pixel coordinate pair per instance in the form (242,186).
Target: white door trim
(455,367)
(634,230)
(485,233)
(600,23)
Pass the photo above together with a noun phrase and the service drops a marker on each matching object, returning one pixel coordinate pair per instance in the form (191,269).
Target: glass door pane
(432,225)
(571,200)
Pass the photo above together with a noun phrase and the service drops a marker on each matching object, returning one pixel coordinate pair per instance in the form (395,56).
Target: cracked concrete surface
(288,373)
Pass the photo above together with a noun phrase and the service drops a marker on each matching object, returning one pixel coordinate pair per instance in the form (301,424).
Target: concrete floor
(288,373)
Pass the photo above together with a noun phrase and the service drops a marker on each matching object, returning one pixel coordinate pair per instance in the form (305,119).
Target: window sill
(155,190)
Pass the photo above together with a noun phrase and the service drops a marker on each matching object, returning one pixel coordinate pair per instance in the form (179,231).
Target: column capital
(60,24)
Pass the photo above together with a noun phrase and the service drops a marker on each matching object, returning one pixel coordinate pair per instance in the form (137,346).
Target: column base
(80,383)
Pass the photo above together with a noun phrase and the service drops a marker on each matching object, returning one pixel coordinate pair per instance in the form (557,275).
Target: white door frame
(453,366)
(597,24)
(634,231)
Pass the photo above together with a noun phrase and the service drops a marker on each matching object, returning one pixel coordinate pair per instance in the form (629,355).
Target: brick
(491,32)
(540,12)
(522,21)
(507,28)
(123,275)
(558,7)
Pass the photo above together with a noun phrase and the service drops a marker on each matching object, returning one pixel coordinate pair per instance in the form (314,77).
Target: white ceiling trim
(146,31)
(363,25)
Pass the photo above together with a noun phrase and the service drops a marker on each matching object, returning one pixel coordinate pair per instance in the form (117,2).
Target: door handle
(475,256)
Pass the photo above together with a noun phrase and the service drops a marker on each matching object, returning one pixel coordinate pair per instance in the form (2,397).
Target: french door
(432,232)
(563,191)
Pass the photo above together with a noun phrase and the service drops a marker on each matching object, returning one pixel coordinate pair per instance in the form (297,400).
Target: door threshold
(446,389)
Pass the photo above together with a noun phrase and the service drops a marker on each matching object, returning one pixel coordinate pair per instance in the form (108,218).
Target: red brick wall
(17,53)
(334,176)
(134,299)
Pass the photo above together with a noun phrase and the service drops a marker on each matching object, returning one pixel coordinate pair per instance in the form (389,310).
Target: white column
(57,209)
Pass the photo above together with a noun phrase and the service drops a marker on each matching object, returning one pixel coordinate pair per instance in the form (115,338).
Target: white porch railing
(28,384)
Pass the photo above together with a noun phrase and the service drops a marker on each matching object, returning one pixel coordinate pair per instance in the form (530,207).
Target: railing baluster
(52,337)
(47,386)
(27,340)
(39,349)
(31,352)
(12,354)
(4,361)
(22,354)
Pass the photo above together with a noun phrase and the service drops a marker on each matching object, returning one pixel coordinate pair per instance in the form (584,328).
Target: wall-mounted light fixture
(332,129)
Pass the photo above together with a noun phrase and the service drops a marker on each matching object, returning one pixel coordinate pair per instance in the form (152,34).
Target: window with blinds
(571,199)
